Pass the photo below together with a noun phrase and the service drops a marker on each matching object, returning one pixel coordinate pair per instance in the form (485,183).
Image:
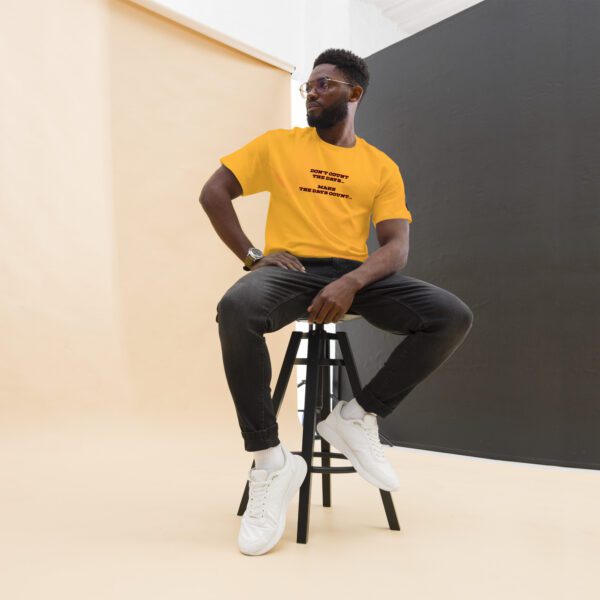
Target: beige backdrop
(112,119)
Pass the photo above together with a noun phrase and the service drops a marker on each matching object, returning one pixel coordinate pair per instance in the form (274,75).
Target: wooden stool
(318,401)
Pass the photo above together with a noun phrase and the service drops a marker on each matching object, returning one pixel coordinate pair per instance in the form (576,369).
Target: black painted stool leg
(348,357)
(308,427)
(280,388)
(324,413)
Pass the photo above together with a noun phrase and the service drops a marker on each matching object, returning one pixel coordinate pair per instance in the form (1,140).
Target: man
(326,183)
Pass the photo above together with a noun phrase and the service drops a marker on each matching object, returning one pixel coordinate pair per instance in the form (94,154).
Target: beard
(328,117)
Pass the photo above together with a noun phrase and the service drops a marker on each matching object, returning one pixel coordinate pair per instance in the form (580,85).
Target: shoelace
(373,437)
(258,498)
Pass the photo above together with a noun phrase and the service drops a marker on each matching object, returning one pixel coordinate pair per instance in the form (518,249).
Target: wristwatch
(253,255)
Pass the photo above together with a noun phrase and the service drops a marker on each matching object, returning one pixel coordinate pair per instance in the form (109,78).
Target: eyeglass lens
(320,87)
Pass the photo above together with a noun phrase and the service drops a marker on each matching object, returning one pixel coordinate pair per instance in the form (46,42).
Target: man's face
(324,110)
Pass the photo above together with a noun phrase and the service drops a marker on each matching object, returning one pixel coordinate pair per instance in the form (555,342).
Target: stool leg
(348,358)
(308,428)
(282,382)
(286,370)
(324,413)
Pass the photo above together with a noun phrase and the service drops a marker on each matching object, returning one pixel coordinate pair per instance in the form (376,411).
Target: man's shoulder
(377,154)
(282,133)
(375,150)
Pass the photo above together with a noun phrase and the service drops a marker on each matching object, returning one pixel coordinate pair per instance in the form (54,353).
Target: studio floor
(126,507)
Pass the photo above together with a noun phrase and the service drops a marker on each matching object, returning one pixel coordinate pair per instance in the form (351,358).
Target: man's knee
(466,318)
(229,305)
(455,315)
(462,317)
(237,305)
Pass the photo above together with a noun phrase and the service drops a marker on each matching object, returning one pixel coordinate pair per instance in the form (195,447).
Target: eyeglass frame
(326,77)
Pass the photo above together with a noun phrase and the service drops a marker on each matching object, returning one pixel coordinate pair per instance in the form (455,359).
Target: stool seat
(345,317)
(317,406)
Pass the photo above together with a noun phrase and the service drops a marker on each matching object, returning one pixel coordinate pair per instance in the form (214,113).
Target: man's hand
(332,302)
(281,259)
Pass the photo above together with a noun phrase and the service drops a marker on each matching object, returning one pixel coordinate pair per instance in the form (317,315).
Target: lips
(309,106)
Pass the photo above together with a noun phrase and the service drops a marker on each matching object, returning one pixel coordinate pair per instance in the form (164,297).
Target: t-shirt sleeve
(250,165)
(390,201)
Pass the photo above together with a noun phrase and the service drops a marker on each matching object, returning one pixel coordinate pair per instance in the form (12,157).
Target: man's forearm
(386,260)
(219,208)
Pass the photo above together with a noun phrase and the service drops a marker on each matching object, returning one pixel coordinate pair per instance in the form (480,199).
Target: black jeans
(269,298)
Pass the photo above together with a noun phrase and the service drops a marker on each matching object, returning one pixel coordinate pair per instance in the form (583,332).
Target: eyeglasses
(322,85)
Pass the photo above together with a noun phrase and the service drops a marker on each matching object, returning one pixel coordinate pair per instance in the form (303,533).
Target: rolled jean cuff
(371,404)
(261,439)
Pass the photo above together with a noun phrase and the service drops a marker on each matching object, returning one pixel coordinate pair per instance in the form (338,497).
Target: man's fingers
(334,317)
(313,311)
(297,264)
(330,314)
(282,261)
(323,313)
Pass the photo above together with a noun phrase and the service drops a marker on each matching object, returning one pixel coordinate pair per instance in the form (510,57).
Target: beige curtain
(112,119)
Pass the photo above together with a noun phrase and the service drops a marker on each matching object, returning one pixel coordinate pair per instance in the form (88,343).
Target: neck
(341,134)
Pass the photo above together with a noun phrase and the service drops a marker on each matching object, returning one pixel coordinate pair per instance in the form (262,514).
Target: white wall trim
(220,36)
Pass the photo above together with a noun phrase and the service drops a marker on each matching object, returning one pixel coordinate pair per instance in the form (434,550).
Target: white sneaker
(358,440)
(270,493)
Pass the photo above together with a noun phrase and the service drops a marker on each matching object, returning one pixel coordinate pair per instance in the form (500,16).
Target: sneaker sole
(295,482)
(332,437)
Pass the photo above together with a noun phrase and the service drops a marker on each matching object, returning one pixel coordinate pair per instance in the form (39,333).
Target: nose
(311,95)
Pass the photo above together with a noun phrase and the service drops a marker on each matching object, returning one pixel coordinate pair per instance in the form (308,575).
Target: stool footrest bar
(314,469)
(323,454)
(321,363)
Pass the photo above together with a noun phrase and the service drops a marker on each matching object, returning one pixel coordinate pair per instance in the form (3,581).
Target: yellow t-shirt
(322,195)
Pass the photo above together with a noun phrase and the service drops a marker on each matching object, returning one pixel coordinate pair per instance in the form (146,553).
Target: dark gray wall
(493,116)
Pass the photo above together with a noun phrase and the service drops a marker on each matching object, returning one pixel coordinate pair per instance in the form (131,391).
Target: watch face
(255,253)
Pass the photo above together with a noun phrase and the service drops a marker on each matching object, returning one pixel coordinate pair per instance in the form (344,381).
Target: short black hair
(352,66)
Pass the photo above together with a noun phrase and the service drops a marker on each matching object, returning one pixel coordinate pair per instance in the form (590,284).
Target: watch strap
(249,260)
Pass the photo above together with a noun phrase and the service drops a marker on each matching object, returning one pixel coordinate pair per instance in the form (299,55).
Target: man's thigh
(273,294)
(402,304)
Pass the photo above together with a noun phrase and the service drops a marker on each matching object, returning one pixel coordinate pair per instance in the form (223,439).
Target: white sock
(271,459)
(353,410)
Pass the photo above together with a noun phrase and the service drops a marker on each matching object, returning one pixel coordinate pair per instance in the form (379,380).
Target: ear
(356,93)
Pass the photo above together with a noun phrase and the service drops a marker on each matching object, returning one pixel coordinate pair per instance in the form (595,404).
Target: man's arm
(216,199)
(393,237)
(335,299)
